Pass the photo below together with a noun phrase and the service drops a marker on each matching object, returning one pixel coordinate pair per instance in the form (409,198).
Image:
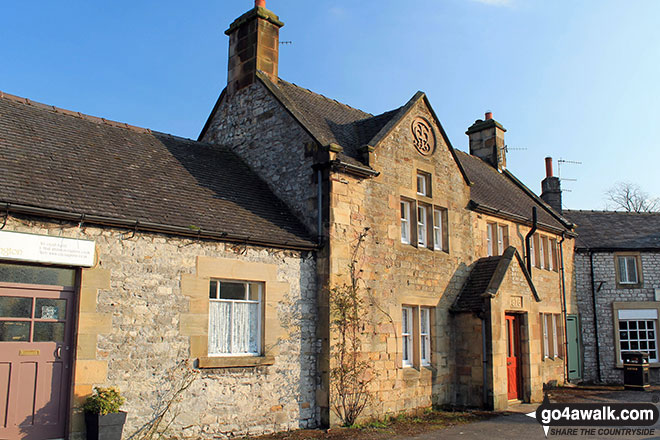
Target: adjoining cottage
(617,273)
(127,253)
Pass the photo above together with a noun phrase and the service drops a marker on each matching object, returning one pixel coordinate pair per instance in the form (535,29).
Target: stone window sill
(235,361)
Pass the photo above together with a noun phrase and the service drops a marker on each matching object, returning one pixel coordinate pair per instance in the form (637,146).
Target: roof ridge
(327,98)
(84,116)
(607,211)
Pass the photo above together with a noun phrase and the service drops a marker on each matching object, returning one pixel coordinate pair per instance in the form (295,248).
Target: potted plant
(103,419)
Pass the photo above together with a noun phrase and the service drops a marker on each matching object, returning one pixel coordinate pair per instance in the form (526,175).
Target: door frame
(516,322)
(75,315)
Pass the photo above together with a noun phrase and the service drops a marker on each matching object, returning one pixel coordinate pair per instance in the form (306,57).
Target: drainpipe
(319,205)
(593,299)
(485,360)
(527,238)
(563,299)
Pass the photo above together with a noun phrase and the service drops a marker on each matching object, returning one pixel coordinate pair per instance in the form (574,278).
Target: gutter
(353,169)
(485,209)
(138,225)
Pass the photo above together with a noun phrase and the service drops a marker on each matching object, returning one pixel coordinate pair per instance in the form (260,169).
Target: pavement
(514,424)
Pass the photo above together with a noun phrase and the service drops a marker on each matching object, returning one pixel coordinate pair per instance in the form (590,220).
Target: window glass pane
(15,307)
(219,327)
(48,331)
(14,331)
(229,290)
(52,276)
(254,289)
(424,316)
(623,325)
(213,290)
(46,308)
(632,270)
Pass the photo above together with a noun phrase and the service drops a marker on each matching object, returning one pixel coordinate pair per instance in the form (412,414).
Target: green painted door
(573,347)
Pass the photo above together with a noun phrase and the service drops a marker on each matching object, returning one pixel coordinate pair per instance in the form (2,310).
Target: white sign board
(46,249)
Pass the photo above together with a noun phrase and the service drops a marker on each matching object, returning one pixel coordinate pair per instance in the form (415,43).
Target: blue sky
(578,80)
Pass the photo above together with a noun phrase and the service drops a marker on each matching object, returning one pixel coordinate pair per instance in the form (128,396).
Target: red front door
(513,356)
(35,361)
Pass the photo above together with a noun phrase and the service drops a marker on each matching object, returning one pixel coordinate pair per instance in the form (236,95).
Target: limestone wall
(606,294)
(254,125)
(139,314)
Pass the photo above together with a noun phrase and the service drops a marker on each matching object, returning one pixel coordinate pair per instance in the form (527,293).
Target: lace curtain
(233,327)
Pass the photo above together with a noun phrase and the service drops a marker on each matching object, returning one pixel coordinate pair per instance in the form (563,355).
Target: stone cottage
(617,274)
(141,260)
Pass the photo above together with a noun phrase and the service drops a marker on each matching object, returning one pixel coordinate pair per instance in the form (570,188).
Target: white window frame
(626,260)
(423,184)
(247,300)
(425,336)
(553,253)
(490,238)
(646,316)
(405,221)
(422,225)
(541,253)
(532,251)
(438,233)
(546,336)
(555,340)
(406,336)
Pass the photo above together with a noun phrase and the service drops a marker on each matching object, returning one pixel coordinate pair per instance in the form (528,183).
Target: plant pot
(106,427)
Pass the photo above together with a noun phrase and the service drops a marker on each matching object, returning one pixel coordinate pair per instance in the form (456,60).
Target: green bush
(103,401)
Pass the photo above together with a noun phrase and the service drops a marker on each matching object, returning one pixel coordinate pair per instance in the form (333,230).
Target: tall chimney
(254,40)
(487,141)
(551,187)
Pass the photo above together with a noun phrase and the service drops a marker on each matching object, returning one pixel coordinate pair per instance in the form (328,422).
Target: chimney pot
(548,167)
(489,116)
(259,3)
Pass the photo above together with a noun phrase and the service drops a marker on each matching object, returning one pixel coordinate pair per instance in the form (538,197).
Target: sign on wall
(46,249)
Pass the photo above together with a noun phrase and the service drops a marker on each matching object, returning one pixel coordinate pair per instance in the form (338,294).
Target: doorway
(36,334)
(513,357)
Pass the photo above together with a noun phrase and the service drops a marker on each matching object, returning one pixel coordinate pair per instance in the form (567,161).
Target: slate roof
(62,160)
(502,192)
(610,230)
(470,299)
(485,280)
(330,121)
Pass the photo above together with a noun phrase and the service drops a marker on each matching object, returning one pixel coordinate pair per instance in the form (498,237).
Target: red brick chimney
(487,141)
(254,40)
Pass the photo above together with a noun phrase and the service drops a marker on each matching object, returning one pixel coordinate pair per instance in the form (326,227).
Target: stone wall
(607,293)
(254,125)
(135,321)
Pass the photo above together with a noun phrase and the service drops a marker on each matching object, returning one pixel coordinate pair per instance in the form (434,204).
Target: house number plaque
(516,302)
(423,136)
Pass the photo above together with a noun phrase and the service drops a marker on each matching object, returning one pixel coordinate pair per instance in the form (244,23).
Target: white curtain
(233,328)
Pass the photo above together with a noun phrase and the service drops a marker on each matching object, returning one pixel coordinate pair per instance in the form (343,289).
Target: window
(553,255)
(406,336)
(552,335)
(421,226)
(502,238)
(423,184)
(405,222)
(541,260)
(497,238)
(235,318)
(637,331)
(439,229)
(627,269)
(532,250)
(425,335)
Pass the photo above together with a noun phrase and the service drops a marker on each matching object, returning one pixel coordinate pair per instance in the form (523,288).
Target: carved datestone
(423,136)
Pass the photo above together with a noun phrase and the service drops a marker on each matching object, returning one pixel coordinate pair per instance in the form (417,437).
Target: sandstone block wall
(133,331)
(608,293)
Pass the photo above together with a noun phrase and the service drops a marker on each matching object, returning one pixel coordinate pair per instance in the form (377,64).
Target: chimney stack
(254,43)
(551,187)
(487,141)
